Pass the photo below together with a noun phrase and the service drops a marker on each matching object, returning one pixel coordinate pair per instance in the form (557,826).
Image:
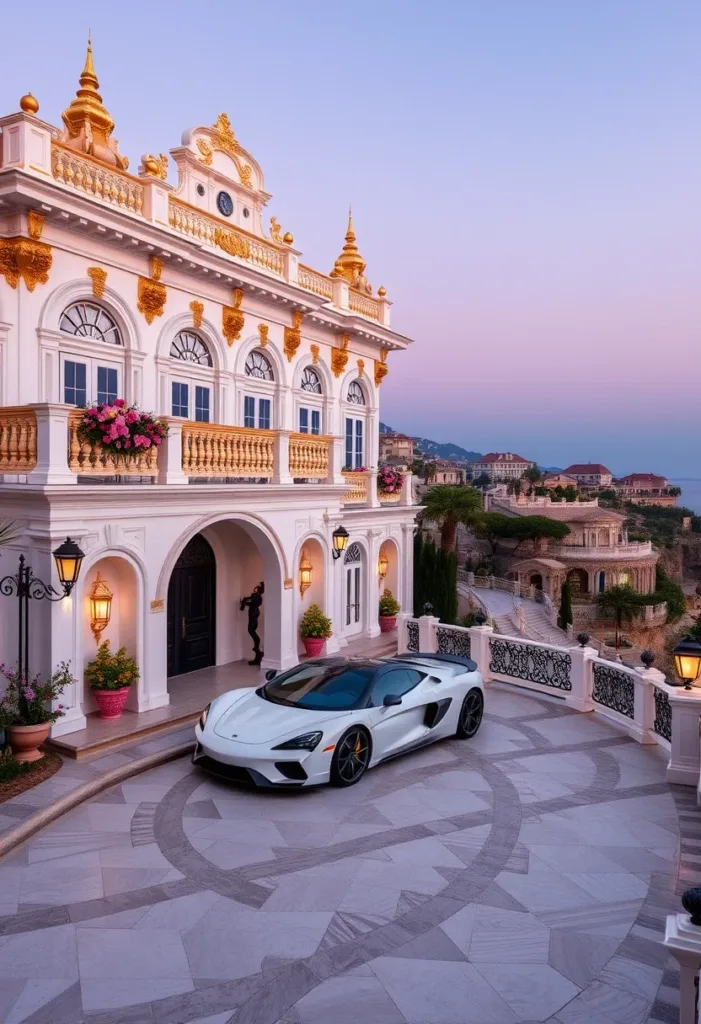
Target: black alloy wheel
(351,757)
(470,715)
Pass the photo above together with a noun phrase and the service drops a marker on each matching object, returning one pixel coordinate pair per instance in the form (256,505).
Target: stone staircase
(502,609)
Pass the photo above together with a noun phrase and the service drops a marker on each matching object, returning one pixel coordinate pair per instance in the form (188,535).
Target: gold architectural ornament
(350,264)
(88,126)
(158,605)
(382,566)
(98,276)
(381,368)
(233,319)
(100,608)
(275,230)
(289,584)
(263,332)
(288,238)
(35,224)
(206,152)
(152,292)
(293,335)
(361,367)
(156,166)
(224,136)
(29,104)
(27,259)
(306,573)
(339,356)
(197,309)
(382,291)
(314,349)
(245,175)
(232,243)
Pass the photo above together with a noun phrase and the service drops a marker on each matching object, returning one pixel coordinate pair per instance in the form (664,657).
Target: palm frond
(8,533)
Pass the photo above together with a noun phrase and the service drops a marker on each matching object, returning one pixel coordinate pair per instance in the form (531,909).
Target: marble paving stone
(579,956)
(111,796)
(460,926)
(531,990)
(41,954)
(500,936)
(317,889)
(640,979)
(586,859)
(40,995)
(10,989)
(545,892)
(609,1003)
(228,853)
(154,954)
(110,993)
(607,887)
(122,919)
(615,920)
(56,883)
(201,809)
(434,992)
(424,851)
(118,880)
(179,914)
(431,945)
(218,1018)
(348,1000)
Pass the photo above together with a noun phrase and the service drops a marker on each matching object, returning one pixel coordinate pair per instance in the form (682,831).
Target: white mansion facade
(174,297)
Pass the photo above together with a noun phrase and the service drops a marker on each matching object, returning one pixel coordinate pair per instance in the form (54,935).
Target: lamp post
(26,587)
(687,660)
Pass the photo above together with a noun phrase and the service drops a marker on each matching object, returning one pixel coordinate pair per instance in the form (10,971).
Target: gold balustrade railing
(357,493)
(81,172)
(389,499)
(365,304)
(93,460)
(309,456)
(234,241)
(209,449)
(313,281)
(18,439)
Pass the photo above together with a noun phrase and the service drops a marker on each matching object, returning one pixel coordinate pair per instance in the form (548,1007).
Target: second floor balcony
(41,445)
(625,549)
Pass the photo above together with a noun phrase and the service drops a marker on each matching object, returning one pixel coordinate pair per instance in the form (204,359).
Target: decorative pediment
(217,147)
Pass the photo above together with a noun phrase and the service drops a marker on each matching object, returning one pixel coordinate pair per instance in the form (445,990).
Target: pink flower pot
(25,740)
(313,645)
(387,623)
(110,703)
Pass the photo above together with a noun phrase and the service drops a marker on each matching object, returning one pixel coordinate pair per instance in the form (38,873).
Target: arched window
(311,381)
(356,396)
(257,365)
(190,388)
(353,554)
(91,357)
(190,348)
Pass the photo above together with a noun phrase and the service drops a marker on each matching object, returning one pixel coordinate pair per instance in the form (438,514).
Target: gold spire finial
(88,125)
(350,264)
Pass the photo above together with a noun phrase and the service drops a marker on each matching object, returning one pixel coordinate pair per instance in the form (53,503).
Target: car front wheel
(350,758)
(470,715)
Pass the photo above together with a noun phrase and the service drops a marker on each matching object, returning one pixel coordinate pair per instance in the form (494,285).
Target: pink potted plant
(110,677)
(121,429)
(315,629)
(27,710)
(389,609)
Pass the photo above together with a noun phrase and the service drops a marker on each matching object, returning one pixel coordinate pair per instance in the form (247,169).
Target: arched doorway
(191,609)
(578,581)
(600,582)
(537,580)
(353,591)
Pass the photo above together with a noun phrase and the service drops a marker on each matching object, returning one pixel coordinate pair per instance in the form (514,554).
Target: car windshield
(321,687)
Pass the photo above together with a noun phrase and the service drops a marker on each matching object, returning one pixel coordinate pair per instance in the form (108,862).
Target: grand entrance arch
(192,609)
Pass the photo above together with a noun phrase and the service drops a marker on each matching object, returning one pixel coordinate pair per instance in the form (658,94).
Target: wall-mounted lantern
(382,567)
(687,660)
(340,541)
(305,573)
(100,607)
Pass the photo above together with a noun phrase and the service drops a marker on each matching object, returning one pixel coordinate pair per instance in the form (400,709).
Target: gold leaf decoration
(8,264)
(162,163)
(224,135)
(156,266)
(152,293)
(206,152)
(35,224)
(27,259)
(293,336)
(233,319)
(314,349)
(232,243)
(361,367)
(197,309)
(263,332)
(245,175)
(339,356)
(98,276)
(381,368)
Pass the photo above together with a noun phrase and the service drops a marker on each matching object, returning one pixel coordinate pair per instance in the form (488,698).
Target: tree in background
(497,526)
(482,480)
(621,601)
(435,579)
(448,505)
(565,618)
(533,474)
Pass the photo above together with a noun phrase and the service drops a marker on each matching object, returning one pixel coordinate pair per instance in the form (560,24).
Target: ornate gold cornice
(314,349)
(233,319)
(197,310)
(152,292)
(293,336)
(339,356)
(35,224)
(233,243)
(25,258)
(98,276)
(381,368)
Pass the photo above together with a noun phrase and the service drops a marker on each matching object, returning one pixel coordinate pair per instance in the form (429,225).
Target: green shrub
(314,624)
(389,605)
(11,769)
(111,671)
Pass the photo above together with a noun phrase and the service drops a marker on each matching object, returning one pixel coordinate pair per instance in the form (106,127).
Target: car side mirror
(270,674)
(391,700)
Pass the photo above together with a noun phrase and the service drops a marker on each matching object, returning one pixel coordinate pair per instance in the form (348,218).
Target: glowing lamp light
(100,607)
(68,558)
(687,660)
(340,541)
(382,567)
(305,573)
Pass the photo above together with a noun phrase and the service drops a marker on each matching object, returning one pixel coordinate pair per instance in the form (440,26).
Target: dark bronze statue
(253,603)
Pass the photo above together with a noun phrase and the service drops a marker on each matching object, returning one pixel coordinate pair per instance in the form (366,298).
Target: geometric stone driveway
(522,876)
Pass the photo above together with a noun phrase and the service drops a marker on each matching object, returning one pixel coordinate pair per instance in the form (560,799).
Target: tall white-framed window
(355,419)
(259,391)
(353,590)
(191,378)
(310,402)
(91,361)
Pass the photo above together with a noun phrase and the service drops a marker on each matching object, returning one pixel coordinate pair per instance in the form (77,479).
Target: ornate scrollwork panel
(453,641)
(614,689)
(412,632)
(663,715)
(533,664)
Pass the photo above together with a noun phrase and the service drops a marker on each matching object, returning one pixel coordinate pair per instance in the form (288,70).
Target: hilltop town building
(591,475)
(501,467)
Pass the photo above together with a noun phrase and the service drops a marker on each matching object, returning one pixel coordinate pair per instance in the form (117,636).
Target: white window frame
(257,388)
(79,354)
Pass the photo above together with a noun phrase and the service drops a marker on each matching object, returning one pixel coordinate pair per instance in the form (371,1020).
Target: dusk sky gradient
(524,174)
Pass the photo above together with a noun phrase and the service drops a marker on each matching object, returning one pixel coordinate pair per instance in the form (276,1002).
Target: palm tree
(8,532)
(448,505)
(622,601)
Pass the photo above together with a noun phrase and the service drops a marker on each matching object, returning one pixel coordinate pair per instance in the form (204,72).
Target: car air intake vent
(292,770)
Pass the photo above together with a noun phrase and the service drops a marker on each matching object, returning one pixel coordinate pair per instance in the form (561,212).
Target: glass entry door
(352,596)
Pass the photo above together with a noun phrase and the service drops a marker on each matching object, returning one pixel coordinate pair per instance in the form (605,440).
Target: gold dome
(350,264)
(287,238)
(29,104)
(88,125)
(382,291)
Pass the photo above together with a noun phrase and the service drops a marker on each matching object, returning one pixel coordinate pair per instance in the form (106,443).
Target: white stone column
(582,678)
(645,703)
(281,472)
(372,500)
(336,461)
(52,446)
(407,498)
(684,759)
(402,638)
(406,597)
(170,456)
(683,940)
(479,649)
(427,634)
(340,293)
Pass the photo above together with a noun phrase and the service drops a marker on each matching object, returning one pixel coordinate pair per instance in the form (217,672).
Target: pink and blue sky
(524,177)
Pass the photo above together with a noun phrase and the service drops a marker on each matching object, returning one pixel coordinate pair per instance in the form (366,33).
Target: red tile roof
(587,467)
(643,480)
(502,457)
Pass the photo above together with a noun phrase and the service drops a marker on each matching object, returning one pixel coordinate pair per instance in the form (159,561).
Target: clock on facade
(225,204)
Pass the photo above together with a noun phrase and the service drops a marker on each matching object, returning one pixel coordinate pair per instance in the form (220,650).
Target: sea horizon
(691,493)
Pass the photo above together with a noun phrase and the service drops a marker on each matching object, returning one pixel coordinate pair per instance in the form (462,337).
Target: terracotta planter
(313,645)
(387,623)
(110,703)
(25,740)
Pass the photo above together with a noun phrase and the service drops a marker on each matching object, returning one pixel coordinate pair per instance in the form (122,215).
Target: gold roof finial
(350,264)
(88,125)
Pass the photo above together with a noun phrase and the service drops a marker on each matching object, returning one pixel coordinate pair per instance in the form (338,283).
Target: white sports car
(330,719)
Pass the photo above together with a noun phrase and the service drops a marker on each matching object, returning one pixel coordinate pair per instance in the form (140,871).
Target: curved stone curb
(15,836)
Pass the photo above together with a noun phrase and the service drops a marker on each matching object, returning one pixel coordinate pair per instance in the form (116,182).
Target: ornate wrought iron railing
(412,635)
(662,724)
(530,662)
(18,439)
(614,688)
(453,640)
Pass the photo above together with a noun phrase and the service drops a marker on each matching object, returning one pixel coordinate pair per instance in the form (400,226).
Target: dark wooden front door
(191,609)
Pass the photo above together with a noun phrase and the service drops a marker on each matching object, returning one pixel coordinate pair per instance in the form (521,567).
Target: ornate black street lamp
(687,660)
(25,585)
(340,541)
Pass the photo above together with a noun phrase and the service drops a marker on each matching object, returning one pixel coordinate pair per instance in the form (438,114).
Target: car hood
(253,719)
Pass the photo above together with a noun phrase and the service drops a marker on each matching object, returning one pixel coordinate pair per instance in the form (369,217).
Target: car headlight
(309,741)
(203,716)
